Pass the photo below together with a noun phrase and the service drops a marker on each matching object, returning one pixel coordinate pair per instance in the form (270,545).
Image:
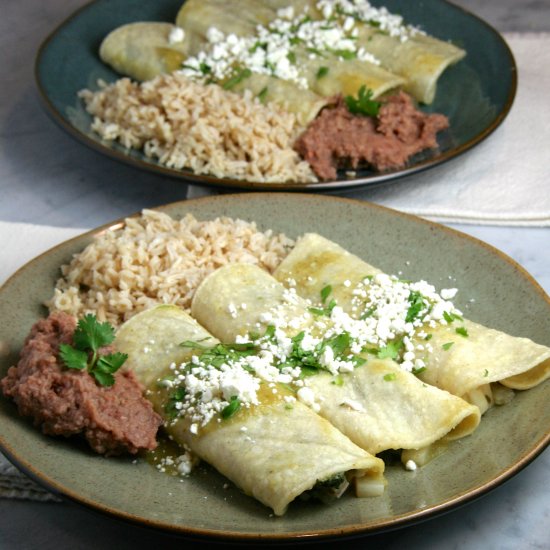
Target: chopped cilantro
(323,71)
(232,408)
(296,27)
(315,51)
(89,336)
(390,350)
(417,304)
(258,44)
(271,66)
(462,331)
(237,78)
(262,95)
(367,313)
(204,68)
(418,370)
(339,343)
(390,377)
(325,293)
(171,407)
(327,310)
(338,380)
(345,54)
(194,345)
(447,345)
(450,317)
(363,105)
(291,56)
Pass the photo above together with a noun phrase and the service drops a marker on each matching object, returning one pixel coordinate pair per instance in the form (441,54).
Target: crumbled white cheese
(279,49)
(386,310)
(176,36)
(307,397)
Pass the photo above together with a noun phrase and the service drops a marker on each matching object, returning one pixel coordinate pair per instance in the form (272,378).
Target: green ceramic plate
(476,94)
(510,437)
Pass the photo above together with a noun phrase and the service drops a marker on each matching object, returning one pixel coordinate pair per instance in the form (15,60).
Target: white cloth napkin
(20,243)
(505,180)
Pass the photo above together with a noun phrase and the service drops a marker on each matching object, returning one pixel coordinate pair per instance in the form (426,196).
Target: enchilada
(369,399)
(456,354)
(273,450)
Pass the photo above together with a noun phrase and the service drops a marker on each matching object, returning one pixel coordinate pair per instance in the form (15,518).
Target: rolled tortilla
(377,405)
(416,61)
(272,451)
(143,50)
(420,60)
(344,76)
(480,357)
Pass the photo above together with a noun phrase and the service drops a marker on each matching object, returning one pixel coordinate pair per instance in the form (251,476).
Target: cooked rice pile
(156,259)
(207,129)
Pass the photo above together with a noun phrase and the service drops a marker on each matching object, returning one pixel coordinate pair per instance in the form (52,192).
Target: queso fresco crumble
(279,48)
(220,379)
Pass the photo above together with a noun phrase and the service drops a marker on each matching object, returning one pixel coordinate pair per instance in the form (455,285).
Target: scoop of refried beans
(62,401)
(338,138)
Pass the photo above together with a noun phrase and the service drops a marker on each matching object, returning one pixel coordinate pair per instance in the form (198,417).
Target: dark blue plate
(476,94)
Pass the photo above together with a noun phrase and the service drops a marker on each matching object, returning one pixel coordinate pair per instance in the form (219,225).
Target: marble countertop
(48,178)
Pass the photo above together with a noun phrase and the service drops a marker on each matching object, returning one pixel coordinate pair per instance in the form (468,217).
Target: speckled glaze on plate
(505,297)
(476,94)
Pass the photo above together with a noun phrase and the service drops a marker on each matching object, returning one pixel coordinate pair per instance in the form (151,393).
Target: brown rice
(157,259)
(204,128)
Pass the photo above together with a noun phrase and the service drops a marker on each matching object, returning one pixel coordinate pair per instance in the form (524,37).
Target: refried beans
(338,138)
(67,402)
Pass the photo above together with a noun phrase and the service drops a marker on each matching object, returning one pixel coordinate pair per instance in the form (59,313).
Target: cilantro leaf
(325,293)
(390,350)
(390,377)
(450,317)
(73,358)
(263,94)
(327,310)
(418,370)
(363,105)
(323,71)
(232,408)
(417,305)
(171,406)
(237,78)
(89,336)
(462,331)
(110,363)
(104,378)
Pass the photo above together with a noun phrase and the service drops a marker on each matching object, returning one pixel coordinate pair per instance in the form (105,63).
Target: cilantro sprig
(89,337)
(237,78)
(327,308)
(417,306)
(363,104)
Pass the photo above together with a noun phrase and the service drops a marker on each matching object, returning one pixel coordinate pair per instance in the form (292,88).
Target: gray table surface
(48,178)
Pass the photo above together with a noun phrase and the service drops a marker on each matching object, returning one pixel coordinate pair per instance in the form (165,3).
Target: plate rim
(187,176)
(350,531)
